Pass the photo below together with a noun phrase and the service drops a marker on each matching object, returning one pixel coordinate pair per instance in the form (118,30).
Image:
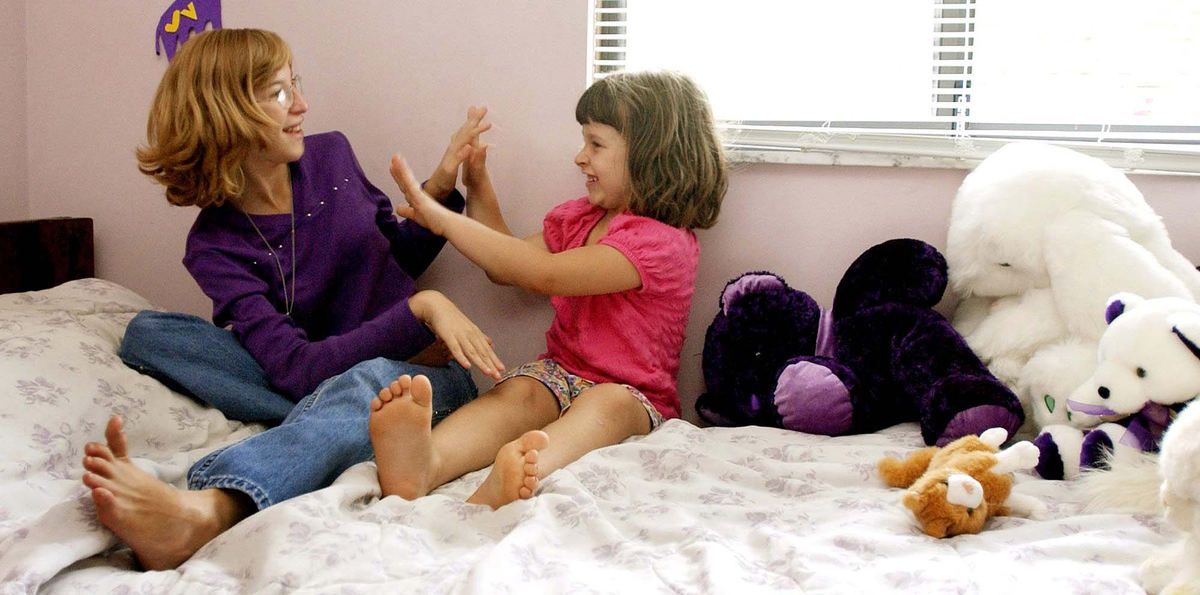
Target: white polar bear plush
(1040,236)
(1148,370)
(1176,568)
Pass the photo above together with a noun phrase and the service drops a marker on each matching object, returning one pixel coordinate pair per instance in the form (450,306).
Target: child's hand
(442,181)
(466,343)
(421,207)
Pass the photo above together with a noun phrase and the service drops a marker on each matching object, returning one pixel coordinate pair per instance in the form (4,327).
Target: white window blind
(926,82)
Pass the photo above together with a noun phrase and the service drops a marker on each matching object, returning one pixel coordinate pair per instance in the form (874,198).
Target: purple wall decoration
(181,19)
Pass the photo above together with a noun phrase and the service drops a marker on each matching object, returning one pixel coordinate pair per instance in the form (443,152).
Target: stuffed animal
(881,356)
(1149,368)
(1039,237)
(956,489)
(1176,568)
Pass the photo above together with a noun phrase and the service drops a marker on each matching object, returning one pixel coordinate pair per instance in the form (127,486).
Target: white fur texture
(1142,359)
(1177,569)
(963,490)
(1167,483)
(1039,237)
(1021,455)
(1130,486)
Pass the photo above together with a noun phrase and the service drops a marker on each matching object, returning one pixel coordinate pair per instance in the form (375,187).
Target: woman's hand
(466,343)
(421,207)
(482,202)
(442,181)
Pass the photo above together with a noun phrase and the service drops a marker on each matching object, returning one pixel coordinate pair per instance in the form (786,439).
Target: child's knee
(611,401)
(524,392)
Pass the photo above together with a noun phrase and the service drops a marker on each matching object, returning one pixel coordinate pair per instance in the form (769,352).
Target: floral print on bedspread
(682,510)
(61,379)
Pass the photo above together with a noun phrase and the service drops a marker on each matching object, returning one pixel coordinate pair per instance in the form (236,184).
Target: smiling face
(604,160)
(285,141)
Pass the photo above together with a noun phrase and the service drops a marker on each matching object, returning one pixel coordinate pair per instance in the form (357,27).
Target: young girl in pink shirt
(619,266)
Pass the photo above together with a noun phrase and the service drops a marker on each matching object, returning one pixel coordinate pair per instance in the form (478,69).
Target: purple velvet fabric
(893,356)
(354,272)
(752,335)
(1113,310)
(807,385)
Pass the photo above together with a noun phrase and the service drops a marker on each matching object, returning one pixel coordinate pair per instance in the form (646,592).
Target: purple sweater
(355,265)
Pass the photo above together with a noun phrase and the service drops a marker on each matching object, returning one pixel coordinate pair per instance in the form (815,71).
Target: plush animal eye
(1005,264)
(970,511)
(1141,372)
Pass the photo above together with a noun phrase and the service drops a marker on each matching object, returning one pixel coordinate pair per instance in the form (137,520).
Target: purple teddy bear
(882,356)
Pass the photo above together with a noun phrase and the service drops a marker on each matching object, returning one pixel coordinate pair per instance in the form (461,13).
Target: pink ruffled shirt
(630,337)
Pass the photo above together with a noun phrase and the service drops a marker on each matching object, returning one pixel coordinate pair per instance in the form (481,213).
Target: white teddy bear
(1148,370)
(1039,237)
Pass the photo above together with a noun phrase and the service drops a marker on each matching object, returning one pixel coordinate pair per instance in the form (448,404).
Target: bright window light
(926,82)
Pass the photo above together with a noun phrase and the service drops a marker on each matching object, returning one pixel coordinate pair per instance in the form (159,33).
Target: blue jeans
(320,437)
(323,436)
(194,357)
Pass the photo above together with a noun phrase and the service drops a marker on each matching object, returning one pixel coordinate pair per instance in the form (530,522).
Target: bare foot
(514,475)
(163,525)
(401,436)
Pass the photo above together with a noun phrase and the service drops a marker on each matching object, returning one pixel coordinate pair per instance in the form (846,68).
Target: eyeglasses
(287,94)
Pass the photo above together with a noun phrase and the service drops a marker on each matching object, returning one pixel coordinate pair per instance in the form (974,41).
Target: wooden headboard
(42,253)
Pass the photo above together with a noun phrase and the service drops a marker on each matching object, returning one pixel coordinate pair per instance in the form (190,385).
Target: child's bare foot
(163,525)
(514,475)
(400,434)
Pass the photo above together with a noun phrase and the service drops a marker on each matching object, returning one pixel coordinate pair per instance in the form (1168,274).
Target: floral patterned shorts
(566,386)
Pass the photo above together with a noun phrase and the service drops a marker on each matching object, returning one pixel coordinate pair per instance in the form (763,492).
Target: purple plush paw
(977,420)
(812,398)
(1049,465)
(964,404)
(1096,446)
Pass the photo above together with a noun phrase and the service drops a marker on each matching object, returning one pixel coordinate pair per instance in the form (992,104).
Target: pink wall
(398,76)
(14,199)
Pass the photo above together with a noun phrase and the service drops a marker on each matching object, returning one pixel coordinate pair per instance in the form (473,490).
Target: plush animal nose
(1103,392)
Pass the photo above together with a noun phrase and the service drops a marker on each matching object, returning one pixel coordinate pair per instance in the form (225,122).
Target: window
(926,82)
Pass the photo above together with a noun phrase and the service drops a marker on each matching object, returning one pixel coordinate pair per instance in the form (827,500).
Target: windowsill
(933,152)
(808,156)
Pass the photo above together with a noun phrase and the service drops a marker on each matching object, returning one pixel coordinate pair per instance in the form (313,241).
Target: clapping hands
(463,144)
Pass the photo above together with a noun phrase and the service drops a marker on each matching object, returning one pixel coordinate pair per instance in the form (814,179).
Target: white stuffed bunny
(1040,236)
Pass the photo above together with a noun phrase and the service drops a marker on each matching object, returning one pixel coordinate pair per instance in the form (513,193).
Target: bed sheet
(685,509)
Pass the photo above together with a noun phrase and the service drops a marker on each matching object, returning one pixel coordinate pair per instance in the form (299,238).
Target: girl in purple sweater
(310,270)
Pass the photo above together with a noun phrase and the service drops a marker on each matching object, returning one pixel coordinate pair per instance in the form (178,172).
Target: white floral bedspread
(686,509)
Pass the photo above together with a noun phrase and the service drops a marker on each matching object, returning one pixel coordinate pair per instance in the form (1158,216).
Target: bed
(686,509)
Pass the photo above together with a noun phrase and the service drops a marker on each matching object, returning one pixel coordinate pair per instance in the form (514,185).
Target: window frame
(954,141)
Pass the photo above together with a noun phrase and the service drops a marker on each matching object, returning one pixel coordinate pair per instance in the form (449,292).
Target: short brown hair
(204,119)
(676,163)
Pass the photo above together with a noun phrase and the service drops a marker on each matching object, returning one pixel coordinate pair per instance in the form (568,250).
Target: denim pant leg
(323,436)
(195,357)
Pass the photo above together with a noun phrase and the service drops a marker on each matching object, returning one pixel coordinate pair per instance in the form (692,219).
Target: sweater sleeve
(294,364)
(413,246)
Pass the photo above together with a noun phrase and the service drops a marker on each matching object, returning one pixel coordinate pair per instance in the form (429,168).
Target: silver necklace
(288,301)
